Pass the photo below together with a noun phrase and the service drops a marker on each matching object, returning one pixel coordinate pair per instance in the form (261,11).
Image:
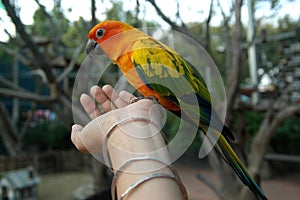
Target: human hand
(136,146)
(87,139)
(108,99)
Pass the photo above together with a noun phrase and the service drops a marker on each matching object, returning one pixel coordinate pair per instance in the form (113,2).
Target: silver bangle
(108,162)
(174,177)
(106,155)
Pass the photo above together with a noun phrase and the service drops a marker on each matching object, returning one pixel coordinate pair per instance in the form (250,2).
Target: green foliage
(287,24)
(5,60)
(42,24)
(76,34)
(285,140)
(114,13)
(253,121)
(287,137)
(217,50)
(47,135)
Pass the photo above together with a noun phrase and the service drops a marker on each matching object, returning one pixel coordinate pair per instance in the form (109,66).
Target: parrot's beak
(90,45)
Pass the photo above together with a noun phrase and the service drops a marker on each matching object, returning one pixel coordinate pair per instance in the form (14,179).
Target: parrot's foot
(153,98)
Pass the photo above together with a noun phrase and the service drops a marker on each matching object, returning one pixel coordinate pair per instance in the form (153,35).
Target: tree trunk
(8,132)
(230,187)
(272,120)
(235,71)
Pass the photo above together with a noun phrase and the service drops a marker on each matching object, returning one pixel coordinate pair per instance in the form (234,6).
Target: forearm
(133,146)
(139,155)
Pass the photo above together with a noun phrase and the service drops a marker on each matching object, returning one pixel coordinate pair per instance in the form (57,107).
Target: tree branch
(178,14)
(166,19)
(15,53)
(26,95)
(93,12)
(173,25)
(5,30)
(40,61)
(227,37)
(260,143)
(53,31)
(10,84)
(207,25)
(71,64)
(261,108)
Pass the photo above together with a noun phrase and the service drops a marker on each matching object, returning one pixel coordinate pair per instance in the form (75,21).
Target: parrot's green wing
(169,74)
(158,61)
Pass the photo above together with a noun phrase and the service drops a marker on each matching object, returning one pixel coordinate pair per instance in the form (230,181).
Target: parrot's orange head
(103,31)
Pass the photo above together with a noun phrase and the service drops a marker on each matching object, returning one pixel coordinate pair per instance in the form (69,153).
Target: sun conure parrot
(145,61)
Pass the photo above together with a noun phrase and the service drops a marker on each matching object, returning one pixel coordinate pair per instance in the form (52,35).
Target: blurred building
(20,184)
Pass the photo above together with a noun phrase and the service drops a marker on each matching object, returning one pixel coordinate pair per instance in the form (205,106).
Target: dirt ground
(276,188)
(61,186)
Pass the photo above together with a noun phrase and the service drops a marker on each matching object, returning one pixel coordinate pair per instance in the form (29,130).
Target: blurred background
(255,44)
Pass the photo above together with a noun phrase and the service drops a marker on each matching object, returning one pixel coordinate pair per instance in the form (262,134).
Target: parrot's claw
(153,98)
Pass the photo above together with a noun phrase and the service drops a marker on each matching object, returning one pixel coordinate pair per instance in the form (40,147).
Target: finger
(89,106)
(101,98)
(126,96)
(114,96)
(76,139)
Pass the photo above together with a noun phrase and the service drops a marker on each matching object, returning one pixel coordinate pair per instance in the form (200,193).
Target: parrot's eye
(100,32)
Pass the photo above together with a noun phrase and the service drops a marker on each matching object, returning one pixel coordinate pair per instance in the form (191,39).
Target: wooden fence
(53,161)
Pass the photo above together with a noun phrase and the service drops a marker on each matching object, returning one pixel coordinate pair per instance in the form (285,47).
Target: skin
(109,100)
(117,107)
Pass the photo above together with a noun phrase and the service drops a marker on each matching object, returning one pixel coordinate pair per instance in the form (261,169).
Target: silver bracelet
(108,161)
(106,155)
(130,189)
